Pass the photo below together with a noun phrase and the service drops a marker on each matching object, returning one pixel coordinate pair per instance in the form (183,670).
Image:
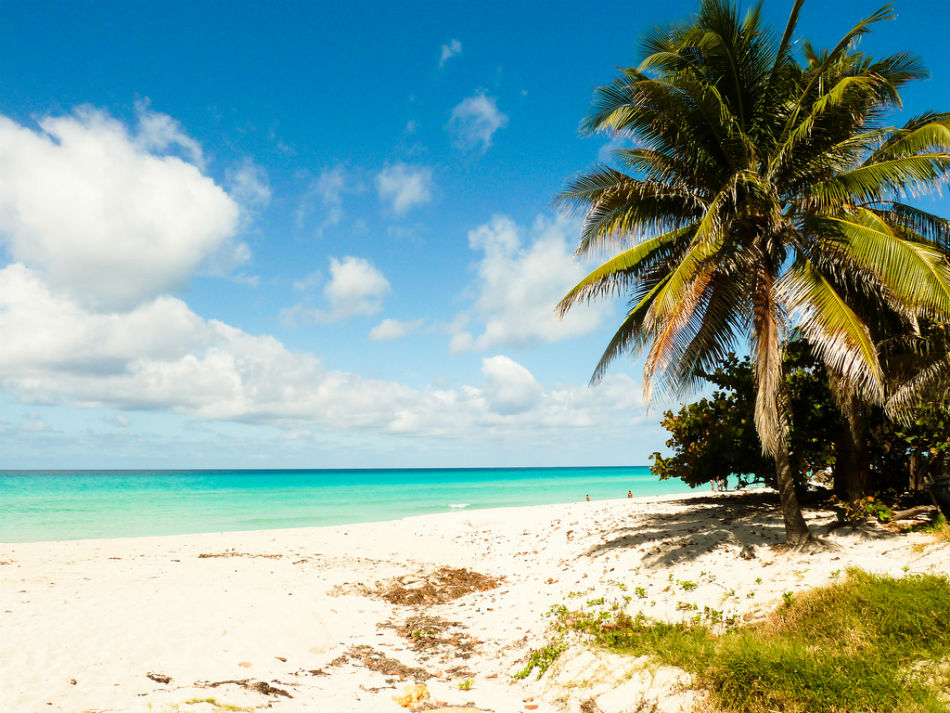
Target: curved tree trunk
(771,400)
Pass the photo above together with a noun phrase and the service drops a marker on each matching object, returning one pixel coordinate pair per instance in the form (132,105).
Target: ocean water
(66,505)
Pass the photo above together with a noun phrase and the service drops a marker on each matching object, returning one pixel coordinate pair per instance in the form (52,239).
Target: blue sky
(321,234)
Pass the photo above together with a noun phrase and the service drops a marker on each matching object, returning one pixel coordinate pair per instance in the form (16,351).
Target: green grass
(855,645)
(938,527)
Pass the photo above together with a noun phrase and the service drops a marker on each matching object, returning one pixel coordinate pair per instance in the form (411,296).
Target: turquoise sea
(66,505)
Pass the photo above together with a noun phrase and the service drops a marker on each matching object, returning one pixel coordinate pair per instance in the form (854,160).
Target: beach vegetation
(763,191)
(466,685)
(864,643)
(541,659)
(938,527)
(714,438)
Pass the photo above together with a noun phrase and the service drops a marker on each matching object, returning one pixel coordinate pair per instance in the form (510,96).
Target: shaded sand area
(345,618)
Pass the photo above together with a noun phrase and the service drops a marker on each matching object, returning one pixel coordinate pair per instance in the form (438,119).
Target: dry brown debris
(232,553)
(432,634)
(259,686)
(376,661)
(443,585)
(424,588)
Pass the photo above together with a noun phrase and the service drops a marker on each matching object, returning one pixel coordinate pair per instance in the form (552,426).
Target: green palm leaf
(840,337)
(616,274)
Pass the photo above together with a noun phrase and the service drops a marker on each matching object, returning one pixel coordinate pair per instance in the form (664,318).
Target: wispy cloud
(159,132)
(475,120)
(404,187)
(393,329)
(249,185)
(450,50)
(327,191)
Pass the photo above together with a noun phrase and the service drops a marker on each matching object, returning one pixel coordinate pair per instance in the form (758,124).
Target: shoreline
(451,510)
(84,622)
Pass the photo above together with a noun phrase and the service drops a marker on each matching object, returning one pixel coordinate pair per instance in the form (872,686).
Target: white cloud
(355,288)
(160,132)
(518,286)
(249,185)
(475,120)
(393,329)
(100,215)
(327,190)
(509,387)
(117,420)
(330,185)
(449,51)
(162,356)
(403,187)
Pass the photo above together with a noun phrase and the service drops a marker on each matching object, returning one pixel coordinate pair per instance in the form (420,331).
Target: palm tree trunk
(914,468)
(852,465)
(859,481)
(796,529)
(771,399)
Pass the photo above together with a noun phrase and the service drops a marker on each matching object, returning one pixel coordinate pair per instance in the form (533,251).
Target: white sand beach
(83,624)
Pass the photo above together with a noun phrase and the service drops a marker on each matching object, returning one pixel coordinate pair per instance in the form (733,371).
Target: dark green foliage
(715,437)
(867,644)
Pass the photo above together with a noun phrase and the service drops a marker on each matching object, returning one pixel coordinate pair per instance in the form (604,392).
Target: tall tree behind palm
(761,193)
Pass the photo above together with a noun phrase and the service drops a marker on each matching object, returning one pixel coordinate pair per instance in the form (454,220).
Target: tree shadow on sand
(740,520)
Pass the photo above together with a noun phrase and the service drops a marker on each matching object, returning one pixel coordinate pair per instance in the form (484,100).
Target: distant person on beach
(718,484)
(588,498)
(629,493)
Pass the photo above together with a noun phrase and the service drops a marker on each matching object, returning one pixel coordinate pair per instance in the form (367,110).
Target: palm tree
(762,193)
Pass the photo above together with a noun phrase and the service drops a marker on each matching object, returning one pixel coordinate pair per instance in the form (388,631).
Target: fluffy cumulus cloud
(453,48)
(355,288)
(509,387)
(163,356)
(393,329)
(403,187)
(518,285)
(101,213)
(475,120)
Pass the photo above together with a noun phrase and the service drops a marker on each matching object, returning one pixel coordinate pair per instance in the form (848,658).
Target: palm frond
(839,336)
(899,177)
(617,274)
(927,386)
(630,337)
(917,274)
(617,205)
